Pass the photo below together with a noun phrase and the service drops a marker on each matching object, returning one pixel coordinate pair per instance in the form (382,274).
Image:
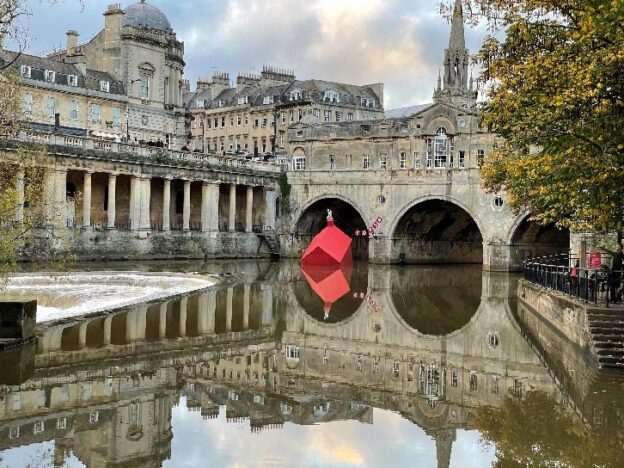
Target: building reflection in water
(430,346)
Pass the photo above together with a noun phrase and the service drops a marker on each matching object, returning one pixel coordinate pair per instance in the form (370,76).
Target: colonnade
(136,319)
(140,209)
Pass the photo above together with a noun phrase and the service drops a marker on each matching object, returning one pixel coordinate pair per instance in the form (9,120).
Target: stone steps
(607,329)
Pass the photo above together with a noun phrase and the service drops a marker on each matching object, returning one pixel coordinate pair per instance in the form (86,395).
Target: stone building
(247,118)
(411,181)
(69,98)
(139,48)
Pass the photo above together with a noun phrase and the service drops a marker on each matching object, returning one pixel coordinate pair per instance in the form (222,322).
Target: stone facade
(247,118)
(412,181)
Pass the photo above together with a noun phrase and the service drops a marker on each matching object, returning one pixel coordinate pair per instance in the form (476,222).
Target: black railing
(562,273)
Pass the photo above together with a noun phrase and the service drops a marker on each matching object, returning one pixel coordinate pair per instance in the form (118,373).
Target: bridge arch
(312,218)
(530,239)
(437,229)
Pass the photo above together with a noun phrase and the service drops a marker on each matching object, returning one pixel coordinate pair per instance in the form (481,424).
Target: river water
(278,366)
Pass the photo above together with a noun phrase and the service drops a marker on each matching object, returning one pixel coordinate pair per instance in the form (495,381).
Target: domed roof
(144,15)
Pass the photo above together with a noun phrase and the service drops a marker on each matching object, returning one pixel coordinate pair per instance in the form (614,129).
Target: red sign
(595,260)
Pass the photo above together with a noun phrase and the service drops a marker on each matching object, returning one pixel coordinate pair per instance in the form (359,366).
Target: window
(410,371)
(403,160)
(267,100)
(201,103)
(350,116)
(358,363)
(72,80)
(51,106)
(462,159)
(38,427)
(296,95)
(116,116)
(517,388)
(331,96)
(256,122)
(453,377)
(221,103)
(14,433)
(366,162)
(439,149)
(283,117)
(61,423)
(317,113)
(383,161)
(325,358)
(364,101)
(494,384)
(299,163)
(480,157)
(231,120)
(104,86)
(50,76)
(292,352)
(376,365)
(474,384)
(27,102)
(17,401)
(243,100)
(94,416)
(416,160)
(145,86)
(332,162)
(338,116)
(264,121)
(223,121)
(25,70)
(95,111)
(395,368)
(327,116)
(246,119)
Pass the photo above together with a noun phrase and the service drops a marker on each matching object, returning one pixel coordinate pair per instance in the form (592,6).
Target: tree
(554,92)
(21,168)
(539,431)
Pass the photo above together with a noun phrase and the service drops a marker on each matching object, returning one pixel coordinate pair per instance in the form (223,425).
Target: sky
(397,42)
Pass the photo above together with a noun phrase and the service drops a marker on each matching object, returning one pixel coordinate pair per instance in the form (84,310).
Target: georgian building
(69,98)
(135,59)
(248,117)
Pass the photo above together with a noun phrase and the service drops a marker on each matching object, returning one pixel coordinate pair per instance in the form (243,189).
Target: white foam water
(69,295)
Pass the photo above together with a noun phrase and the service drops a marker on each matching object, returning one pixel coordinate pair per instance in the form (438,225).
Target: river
(275,366)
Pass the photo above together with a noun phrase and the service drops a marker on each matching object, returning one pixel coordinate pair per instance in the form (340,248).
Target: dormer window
(221,103)
(243,100)
(331,96)
(267,100)
(104,86)
(365,102)
(25,71)
(50,76)
(201,103)
(72,80)
(296,95)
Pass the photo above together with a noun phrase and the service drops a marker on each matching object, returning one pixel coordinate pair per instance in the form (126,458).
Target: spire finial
(457,40)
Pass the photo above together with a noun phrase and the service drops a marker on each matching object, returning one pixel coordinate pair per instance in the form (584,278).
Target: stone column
(162,321)
(86,200)
(112,186)
(166,225)
(146,195)
(269,207)
(246,303)
(210,207)
(82,335)
(248,210)
(232,212)
(55,197)
(186,211)
(267,305)
(228,309)
(19,188)
(207,310)
(108,321)
(135,198)
(183,314)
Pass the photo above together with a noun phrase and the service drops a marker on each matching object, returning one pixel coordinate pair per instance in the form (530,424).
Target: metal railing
(562,273)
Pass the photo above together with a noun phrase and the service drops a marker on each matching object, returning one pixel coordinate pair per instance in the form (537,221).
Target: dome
(144,15)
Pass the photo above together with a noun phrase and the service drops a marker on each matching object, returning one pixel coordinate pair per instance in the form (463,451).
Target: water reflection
(256,354)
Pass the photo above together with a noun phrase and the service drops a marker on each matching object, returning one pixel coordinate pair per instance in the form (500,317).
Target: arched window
(439,149)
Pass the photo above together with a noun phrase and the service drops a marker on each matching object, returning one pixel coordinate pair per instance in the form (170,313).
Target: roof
(144,15)
(39,65)
(404,112)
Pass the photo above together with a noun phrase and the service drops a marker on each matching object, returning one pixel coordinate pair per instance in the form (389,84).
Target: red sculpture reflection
(329,282)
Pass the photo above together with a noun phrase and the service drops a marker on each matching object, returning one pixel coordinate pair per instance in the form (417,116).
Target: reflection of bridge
(120,375)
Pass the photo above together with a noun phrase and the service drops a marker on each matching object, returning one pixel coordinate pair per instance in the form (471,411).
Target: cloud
(397,42)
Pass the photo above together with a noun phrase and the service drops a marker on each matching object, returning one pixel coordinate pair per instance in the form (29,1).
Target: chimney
(247,79)
(72,41)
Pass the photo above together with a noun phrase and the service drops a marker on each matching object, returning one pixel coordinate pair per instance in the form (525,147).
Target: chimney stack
(72,41)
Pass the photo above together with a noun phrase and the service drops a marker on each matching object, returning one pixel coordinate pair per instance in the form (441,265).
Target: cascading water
(68,295)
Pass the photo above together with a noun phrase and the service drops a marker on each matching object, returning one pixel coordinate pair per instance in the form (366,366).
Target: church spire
(456,60)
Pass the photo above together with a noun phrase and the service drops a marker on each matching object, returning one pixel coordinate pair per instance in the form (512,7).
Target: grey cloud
(398,42)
